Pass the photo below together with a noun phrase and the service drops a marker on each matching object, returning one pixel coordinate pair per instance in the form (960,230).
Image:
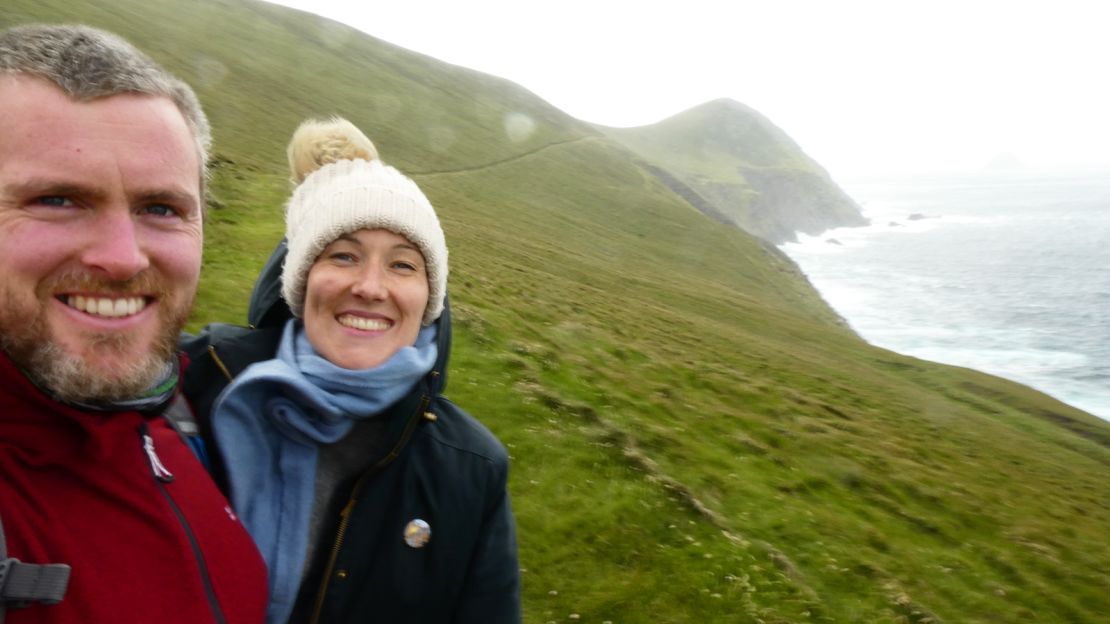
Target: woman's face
(365,298)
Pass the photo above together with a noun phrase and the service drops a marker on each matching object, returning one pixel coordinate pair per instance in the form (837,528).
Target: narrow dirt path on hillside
(495,163)
(629,450)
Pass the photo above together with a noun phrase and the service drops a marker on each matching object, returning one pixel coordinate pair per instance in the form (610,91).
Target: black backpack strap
(24,583)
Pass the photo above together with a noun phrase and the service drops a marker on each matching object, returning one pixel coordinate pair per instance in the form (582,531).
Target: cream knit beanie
(343,188)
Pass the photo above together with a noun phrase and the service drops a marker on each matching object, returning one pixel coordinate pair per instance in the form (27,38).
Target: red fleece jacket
(79,488)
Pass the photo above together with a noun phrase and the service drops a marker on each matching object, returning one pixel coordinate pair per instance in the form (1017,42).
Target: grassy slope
(694,436)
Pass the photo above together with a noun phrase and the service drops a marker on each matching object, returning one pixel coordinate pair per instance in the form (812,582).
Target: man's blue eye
(161,210)
(54,200)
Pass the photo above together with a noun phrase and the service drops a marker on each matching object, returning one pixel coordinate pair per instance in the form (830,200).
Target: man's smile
(110,307)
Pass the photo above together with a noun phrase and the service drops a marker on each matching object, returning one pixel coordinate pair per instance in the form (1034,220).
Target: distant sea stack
(737,167)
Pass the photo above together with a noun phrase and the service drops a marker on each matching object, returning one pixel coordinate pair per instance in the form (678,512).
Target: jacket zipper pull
(156,466)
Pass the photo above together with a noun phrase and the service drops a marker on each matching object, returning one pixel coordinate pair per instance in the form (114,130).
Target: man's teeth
(365,324)
(104,306)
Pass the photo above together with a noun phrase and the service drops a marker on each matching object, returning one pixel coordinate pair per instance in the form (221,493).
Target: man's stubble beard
(26,339)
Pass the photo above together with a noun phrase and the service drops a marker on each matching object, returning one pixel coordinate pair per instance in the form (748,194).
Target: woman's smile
(363,323)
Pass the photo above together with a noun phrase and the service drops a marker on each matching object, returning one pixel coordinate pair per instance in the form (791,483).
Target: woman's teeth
(365,324)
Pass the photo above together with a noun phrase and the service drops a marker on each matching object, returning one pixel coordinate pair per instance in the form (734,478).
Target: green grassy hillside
(736,166)
(695,435)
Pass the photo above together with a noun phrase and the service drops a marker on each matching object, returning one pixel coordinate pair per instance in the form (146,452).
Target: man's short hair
(88,63)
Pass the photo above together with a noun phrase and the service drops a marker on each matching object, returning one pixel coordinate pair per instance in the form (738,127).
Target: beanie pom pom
(317,143)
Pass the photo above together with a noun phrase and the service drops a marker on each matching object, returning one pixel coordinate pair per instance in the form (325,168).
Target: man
(102,157)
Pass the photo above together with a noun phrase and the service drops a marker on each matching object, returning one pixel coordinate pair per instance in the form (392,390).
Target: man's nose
(114,246)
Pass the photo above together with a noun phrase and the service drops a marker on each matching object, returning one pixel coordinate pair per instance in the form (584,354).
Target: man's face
(100,237)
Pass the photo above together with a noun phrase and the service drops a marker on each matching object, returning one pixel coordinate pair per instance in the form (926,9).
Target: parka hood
(267,308)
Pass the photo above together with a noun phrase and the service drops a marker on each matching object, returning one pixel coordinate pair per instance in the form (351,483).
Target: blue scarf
(270,422)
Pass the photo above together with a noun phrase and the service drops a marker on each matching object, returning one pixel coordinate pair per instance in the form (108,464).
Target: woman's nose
(370,283)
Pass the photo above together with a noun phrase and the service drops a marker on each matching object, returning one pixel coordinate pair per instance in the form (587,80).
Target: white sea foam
(1030,365)
(1007,276)
(1091,401)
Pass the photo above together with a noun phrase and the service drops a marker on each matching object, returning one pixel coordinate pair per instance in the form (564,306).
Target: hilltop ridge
(737,167)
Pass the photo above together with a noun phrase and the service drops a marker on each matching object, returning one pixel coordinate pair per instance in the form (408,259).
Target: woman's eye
(404,266)
(342,256)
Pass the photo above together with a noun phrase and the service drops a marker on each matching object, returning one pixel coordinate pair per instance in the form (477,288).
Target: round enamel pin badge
(417,533)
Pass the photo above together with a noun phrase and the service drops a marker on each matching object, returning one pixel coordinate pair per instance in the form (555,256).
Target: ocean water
(1005,273)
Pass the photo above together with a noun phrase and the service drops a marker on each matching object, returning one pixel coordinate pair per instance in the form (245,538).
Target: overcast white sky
(865,87)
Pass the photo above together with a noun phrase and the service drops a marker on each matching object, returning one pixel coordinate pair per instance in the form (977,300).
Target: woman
(371,496)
